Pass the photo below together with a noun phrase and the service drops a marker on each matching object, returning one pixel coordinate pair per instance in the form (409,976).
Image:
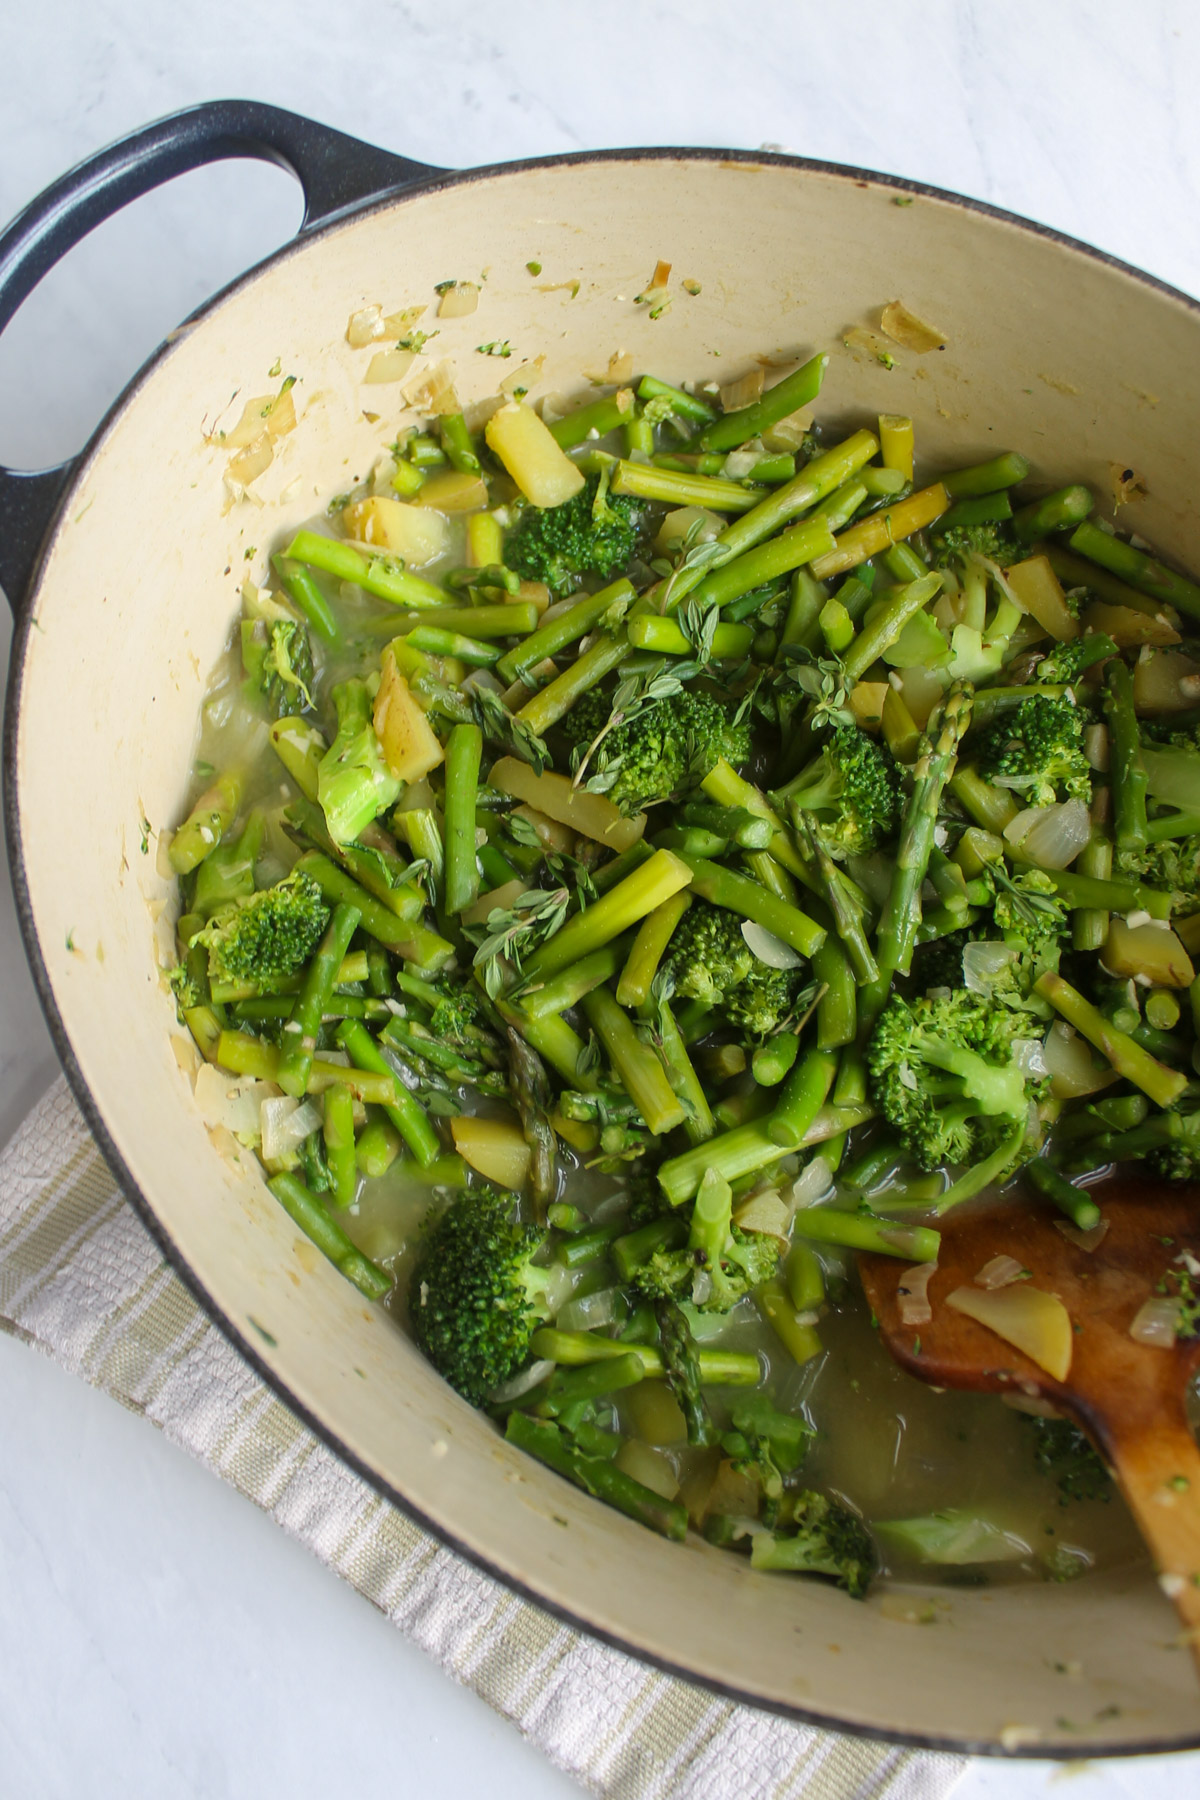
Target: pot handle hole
(334,170)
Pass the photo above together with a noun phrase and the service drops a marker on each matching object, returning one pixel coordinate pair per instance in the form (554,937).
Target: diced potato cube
(1127,627)
(496,1147)
(1165,681)
(454,490)
(544,473)
(410,744)
(1034,1321)
(1149,950)
(1040,592)
(417,533)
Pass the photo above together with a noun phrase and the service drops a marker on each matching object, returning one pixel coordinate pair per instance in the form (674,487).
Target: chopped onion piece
(1083,1240)
(1029,1057)
(739,463)
(1000,1272)
(765,1213)
(913,1294)
(284,1123)
(590,1311)
(1095,746)
(768,948)
(388,365)
(365,326)
(231,1100)
(1073,1066)
(1051,836)
(812,1184)
(1156,1323)
(521,1383)
(983,963)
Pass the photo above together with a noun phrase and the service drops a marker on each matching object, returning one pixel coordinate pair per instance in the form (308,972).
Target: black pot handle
(335,171)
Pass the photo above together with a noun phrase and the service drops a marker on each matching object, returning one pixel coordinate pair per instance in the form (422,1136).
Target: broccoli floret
(956,546)
(748,1259)
(187,990)
(709,960)
(1061,1451)
(851,792)
(593,533)
(939,963)
(766,1445)
(1037,750)
(1035,924)
(1174,865)
(477,1298)
(817,1536)
(664,748)
(1067,662)
(277,658)
(354,783)
(271,934)
(942,1075)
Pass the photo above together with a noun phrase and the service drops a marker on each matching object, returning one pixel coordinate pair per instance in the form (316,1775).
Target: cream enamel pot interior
(136,560)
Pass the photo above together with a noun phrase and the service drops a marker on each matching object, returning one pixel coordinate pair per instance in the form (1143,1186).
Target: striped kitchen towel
(82,1279)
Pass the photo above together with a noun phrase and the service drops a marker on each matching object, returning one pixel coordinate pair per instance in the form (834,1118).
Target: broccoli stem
(683,1372)
(1127,771)
(300,588)
(750,900)
(989,806)
(550,703)
(569,986)
(884,483)
(675,487)
(718,1368)
(382,576)
(567,628)
(306,1211)
(595,420)
(649,631)
(901,916)
(742,1151)
(603,1480)
(1002,471)
(206,824)
(406,937)
(683,405)
(649,947)
(464,752)
(902,604)
(792,549)
(339,1144)
(1057,512)
(864,1231)
(882,529)
(242,1054)
(837,627)
(379,1144)
(798,1338)
(836,1009)
(624,905)
(1142,572)
(320,978)
(1163,1085)
(637,1067)
(1079,1207)
(402,1108)
(804,1093)
(787,396)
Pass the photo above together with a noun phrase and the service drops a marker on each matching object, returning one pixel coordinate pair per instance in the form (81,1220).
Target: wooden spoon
(1129,1398)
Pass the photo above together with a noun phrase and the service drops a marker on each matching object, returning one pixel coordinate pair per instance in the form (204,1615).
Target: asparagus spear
(543,1439)
(533,1098)
(1127,771)
(300,1032)
(311,1216)
(683,1372)
(464,751)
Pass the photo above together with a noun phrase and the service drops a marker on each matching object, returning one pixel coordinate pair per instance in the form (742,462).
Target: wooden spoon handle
(1158,1467)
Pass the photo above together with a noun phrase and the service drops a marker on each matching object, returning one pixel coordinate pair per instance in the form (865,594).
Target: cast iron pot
(124,566)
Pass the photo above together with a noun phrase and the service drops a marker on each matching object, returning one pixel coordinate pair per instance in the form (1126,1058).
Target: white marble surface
(157,1635)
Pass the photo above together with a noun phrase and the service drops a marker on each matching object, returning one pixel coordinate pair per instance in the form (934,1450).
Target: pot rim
(23,622)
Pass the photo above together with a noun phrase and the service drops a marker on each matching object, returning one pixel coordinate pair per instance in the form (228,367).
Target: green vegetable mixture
(637,862)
